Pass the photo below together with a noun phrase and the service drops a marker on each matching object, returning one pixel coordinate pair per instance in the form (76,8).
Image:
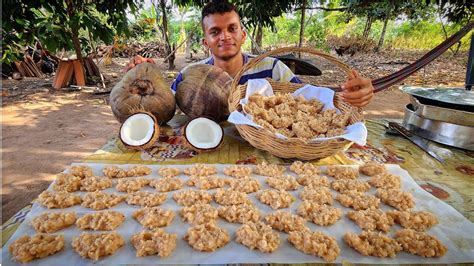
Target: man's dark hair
(217,6)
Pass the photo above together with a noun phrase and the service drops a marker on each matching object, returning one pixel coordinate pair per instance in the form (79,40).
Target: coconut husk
(153,139)
(204,91)
(143,87)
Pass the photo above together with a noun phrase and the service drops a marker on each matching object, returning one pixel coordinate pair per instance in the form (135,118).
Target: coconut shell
(143,88)
(154,137)
(204,91)
(192,147)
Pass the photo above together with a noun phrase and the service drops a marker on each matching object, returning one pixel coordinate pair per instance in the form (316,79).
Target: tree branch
(445,32)
(324,8)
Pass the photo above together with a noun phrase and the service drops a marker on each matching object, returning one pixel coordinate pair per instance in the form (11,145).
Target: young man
(224,36)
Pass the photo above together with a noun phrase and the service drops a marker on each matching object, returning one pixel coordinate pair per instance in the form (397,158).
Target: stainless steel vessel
(439,131)
(442,115)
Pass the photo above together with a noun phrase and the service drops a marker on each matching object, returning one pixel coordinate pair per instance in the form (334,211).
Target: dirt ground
(44,131)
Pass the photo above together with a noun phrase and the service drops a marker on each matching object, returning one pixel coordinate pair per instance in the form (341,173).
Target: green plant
(64,24)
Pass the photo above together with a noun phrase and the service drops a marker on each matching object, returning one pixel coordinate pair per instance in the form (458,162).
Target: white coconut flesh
(138,129)
(203,133)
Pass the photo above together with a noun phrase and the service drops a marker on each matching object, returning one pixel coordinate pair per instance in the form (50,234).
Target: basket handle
(344,67)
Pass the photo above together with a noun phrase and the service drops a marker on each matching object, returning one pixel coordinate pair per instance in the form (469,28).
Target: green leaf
(20,21)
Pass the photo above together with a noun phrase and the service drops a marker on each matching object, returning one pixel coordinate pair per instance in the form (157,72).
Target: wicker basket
(264,139)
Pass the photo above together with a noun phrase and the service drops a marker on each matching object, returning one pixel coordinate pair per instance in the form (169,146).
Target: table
(451,182)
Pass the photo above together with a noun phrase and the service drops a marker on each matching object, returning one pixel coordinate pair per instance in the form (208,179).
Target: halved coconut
(202,134)
(139,131)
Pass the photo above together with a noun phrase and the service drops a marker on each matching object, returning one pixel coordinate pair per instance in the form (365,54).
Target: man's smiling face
(223,34)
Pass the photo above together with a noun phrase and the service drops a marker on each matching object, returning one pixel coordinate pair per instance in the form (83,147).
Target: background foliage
(416,24)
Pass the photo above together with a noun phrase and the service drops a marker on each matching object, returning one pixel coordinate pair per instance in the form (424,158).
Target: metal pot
(443,132)
(443,115)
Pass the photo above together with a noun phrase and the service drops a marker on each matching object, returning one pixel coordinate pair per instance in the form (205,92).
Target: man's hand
(137,60)
(358,91)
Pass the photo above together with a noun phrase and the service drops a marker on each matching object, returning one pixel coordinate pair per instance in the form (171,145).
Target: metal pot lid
(457,96)
(442,114)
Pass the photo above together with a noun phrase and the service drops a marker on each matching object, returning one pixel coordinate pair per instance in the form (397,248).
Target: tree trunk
(368,26)
(452,49)
(76,42)
(165,35)
(75,33)
(258,36)
(303,12)
(253,46)
(164,26)
(189,43)
(172,57)
(382,36)
(182,31)
(93,47)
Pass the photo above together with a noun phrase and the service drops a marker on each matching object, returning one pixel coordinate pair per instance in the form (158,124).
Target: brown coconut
(144,88)
(204,91)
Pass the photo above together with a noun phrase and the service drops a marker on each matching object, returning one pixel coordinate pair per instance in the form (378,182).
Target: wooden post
(470,66)
(63,74)
(79,73)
